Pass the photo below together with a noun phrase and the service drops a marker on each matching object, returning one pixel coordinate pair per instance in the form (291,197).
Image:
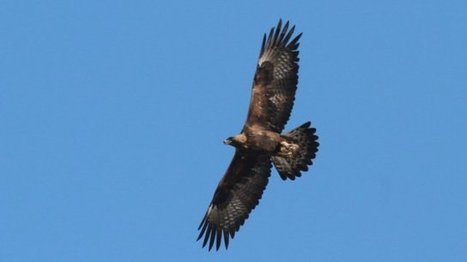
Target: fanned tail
(296,152)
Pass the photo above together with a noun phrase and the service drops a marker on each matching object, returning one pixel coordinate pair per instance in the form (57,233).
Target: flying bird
(261,142)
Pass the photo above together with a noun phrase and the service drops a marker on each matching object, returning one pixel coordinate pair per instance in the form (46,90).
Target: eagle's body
(260,143)
(256,139)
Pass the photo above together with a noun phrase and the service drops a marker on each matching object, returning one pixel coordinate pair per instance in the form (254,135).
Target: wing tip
(279,36)
(213,235)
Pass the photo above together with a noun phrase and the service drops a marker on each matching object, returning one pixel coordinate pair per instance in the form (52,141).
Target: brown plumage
(260,143)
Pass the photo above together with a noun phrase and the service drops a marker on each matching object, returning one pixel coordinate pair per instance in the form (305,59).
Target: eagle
(261,142)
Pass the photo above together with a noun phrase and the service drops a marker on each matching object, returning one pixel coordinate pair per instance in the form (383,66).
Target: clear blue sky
(113,113)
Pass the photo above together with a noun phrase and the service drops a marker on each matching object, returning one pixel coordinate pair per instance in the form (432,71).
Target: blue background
(113,113)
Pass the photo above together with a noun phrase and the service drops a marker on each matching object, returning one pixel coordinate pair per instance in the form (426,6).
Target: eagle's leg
(287,149)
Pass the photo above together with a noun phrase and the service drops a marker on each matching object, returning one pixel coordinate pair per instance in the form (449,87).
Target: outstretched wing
(275,80)
(237,194)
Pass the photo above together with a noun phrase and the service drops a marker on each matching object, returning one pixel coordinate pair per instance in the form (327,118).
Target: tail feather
(296,152)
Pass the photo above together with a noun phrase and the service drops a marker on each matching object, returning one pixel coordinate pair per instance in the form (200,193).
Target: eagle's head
(236,141)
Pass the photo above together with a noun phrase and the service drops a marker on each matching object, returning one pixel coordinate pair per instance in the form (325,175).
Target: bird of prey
(261,144)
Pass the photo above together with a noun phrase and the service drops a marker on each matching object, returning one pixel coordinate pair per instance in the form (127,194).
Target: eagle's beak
(228,141)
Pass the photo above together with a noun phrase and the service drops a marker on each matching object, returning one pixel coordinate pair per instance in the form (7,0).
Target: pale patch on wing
(267,56)
(283,61)
(277,99)
(284,65)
